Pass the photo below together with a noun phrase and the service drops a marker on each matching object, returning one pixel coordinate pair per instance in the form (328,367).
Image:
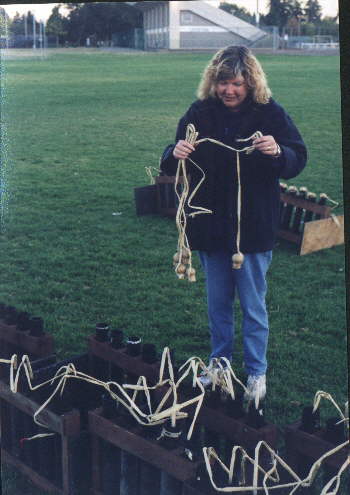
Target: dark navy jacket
(260,173)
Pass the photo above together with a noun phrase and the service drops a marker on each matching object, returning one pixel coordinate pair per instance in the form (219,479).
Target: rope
(183,258)
(174,412)
(169,434)
(272,474)
(149,174)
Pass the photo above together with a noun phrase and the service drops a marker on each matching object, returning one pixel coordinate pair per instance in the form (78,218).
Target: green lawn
(80,130)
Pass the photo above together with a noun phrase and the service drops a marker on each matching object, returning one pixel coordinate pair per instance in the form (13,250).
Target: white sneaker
(211,373)
(256,388)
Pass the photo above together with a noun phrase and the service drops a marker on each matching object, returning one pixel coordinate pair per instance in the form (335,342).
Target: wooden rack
(313,235)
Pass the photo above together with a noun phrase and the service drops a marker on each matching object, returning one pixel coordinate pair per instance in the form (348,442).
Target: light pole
(34,33)
(44,34)
(41,34)
(25,28)
(257,13)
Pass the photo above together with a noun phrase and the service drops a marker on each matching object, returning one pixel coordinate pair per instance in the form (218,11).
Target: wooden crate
(300,444)
(315,235)
(69,469)
(132,441)
(67,427)
(13,341)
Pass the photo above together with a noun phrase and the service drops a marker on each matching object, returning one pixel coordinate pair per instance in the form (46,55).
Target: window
(186,17)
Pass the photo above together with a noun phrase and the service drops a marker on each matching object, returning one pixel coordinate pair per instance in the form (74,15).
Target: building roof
(215,15)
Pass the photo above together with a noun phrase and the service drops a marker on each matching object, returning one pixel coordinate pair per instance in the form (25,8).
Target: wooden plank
(134,365)
(96,464)
(290,236)
(38,480)
(322,234)
(313,446)
(235,429)
(168,179)
(144,449)
(39,346)
(68,423)
(322,210)
(93,491)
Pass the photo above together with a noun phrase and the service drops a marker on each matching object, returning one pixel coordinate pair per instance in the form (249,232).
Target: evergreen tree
(17,24)
(57,25)
(313,11)
(281,11)
(4,22)
(100,20)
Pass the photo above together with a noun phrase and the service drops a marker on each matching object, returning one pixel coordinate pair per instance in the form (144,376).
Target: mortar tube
(23,321)
(335,434)
(5,416)
(110,454)
(169,485)
(299,211)
(255,417)
(129,474)
(133,346)
(322,202)
(309,215)
(310,423)
(283,189)
(36,326)
(289,208)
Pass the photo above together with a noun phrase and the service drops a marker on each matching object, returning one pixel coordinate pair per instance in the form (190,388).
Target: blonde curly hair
(231,62)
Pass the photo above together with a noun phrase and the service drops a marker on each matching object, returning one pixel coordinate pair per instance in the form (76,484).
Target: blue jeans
(250,282)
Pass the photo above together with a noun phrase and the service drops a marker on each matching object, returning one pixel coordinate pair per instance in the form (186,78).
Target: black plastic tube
(10,315)
(289,208)
(283,189)
(110,468)
(149,479)
(117,338)
(101,332)
(255,416)
(149,353)
(133,346)
(23,321)
(129,474)
(36,326)
(309,215)
(299,211)
(310,421)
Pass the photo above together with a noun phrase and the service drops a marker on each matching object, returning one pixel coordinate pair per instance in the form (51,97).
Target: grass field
(80,130)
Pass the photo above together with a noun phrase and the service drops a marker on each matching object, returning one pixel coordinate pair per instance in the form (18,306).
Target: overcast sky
(43,11)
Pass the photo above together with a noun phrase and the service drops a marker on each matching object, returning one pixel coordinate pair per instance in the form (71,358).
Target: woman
(234,101)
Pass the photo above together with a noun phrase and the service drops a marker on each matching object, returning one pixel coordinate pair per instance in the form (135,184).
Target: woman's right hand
(182,149)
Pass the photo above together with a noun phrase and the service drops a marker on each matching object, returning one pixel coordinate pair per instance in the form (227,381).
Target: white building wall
(174,25)
(192,24)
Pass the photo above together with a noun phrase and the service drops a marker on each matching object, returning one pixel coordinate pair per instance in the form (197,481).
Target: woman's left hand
(266,145)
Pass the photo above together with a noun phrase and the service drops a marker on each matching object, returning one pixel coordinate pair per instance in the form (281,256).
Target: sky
(43,11)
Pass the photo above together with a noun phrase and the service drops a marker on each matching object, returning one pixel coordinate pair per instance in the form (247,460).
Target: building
(193,25)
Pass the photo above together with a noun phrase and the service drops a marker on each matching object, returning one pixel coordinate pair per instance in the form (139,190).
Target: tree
(17,24)
(281,11)
(239,12)
(4,22)
(313,11)
(57,25)
(100,20)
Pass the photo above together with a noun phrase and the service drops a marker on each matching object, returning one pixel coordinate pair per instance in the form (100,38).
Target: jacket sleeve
(168,163)
(294,154)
